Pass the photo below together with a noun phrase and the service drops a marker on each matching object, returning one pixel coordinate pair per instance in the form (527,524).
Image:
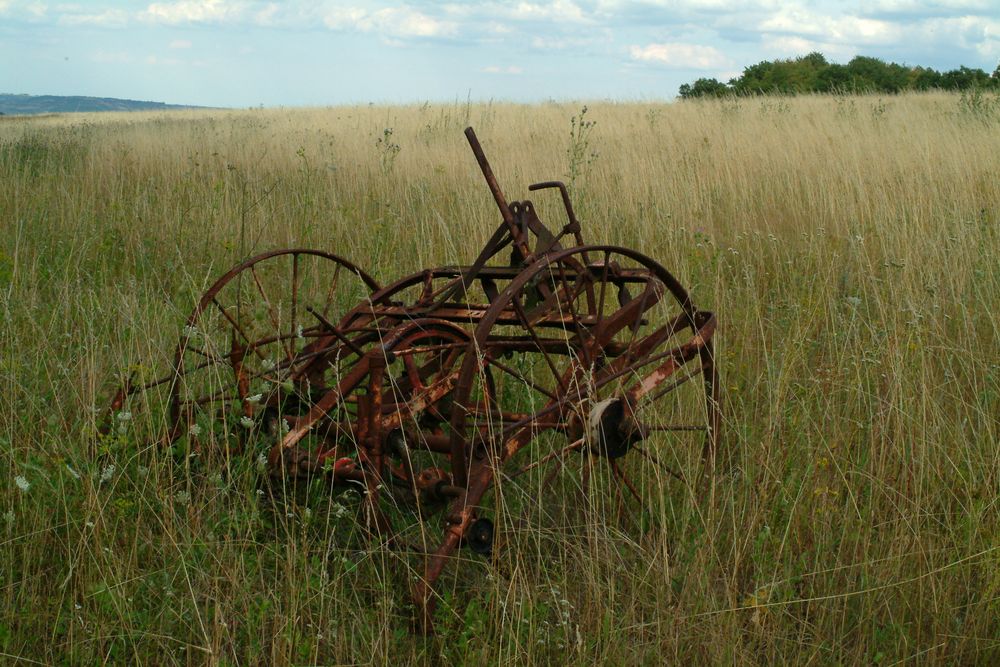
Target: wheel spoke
(295,296)
(211,357)
(649,456)
(534,336)
(674,384)
(236,326)
(270,308)
(412,372)
(333,288)
(620,474)
(219,396)
(557,454)
(581,331)
(521,378)
(604,285)
(675,427)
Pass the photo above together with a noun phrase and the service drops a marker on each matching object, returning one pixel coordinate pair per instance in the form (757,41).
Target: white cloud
(687,6)
(267,15)
(340,18)
(29,10)
(560,11)
(790,46)
(496,69)
(180,44)
(563,11)
(194,11)
(924,7)
(973,33)
(681,56)
(550,43)
(110,18)
(389,22)
(406,22)
(833,29)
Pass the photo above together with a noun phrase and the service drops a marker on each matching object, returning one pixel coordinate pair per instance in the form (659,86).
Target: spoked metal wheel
(386,429)
(403,445)
(266,339)
(604,370)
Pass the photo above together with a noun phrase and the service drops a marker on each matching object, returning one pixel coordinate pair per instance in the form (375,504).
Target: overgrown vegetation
(849,245)
(812,73)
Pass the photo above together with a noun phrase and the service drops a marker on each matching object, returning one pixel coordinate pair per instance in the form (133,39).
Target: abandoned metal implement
(427,395)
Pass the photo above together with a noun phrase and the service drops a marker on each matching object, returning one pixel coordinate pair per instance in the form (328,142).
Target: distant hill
(34,104)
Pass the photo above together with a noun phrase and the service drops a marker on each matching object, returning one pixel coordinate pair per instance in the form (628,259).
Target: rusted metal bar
(491,179)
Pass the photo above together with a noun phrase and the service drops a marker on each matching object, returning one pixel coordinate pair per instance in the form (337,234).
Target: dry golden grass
(850,246)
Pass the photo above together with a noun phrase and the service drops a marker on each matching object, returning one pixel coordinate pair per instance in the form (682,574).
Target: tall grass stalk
(850,247)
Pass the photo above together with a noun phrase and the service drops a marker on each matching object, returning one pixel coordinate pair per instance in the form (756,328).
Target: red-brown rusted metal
(415,392)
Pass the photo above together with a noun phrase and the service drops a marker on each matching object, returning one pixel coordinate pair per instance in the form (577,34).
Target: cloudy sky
(300,52)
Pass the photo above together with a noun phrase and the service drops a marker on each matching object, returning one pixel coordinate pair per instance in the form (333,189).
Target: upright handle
(491,180)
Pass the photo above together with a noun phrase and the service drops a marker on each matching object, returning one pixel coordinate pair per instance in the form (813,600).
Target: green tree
(833,79)
(704,88)
(812,73)
(924,78)
(875,75)
(964,78)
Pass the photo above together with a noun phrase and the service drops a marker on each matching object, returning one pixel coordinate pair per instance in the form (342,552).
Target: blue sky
(294,52)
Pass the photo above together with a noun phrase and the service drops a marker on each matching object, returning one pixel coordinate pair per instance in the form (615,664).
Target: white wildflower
(854,301)
(22,483)
(182,497)
(246,422)
(190,331)
(108,472)
(194,430)
(8,516)
(269,364)
(255,398)
(298,332)
(124,417)
(261,463)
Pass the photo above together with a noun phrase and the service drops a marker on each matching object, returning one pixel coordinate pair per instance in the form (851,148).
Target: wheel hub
(612,433)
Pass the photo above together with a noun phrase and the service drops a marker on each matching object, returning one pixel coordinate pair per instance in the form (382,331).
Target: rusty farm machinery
(428,393)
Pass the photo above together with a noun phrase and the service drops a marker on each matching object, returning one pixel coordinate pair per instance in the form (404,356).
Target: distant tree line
(813,74)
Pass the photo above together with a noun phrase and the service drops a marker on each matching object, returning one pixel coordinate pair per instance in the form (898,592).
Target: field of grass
(850,247)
